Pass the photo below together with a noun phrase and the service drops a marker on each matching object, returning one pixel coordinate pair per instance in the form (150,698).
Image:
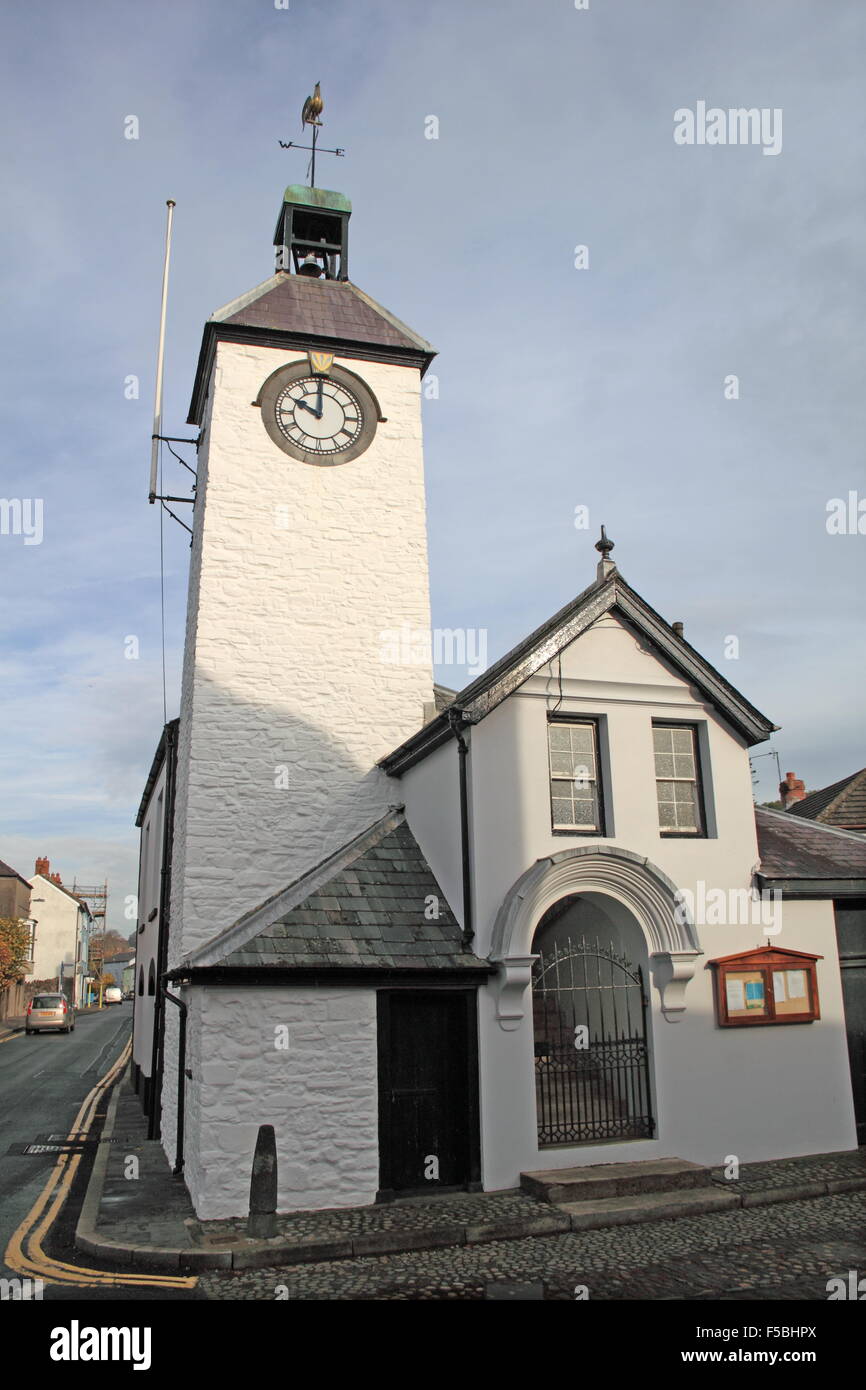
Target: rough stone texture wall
(320,1094)
(296,572)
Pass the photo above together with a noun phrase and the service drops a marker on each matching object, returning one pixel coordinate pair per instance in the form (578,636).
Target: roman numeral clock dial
(319,417)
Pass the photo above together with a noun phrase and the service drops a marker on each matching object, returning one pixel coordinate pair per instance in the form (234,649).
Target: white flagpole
(157,404)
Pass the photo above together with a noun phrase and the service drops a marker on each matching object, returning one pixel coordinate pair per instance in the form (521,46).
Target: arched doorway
(591,1023)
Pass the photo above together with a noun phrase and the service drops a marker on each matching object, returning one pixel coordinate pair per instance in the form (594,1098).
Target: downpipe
(181,1076)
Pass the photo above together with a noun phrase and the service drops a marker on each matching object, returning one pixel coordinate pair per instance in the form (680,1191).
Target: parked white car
(112,995)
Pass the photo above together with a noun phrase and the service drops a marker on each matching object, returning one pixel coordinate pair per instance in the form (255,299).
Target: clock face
(319,416)
(323,418)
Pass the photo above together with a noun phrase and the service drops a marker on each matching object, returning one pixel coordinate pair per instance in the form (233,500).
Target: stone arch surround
(639,885)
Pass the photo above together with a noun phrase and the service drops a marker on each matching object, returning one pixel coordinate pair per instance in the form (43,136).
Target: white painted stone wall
(320,1094)
(147,932)
(283,663)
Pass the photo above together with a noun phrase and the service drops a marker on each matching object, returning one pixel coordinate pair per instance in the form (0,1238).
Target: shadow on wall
(264,798)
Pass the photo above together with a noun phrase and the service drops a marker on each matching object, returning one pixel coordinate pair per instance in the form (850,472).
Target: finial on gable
(606,565)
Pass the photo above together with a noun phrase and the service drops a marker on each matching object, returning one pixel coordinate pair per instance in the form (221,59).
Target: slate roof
(299,311)
(795,848)
(842,804)
(364,907)
(323,308)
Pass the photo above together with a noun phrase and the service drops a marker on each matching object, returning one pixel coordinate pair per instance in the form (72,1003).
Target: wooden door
(428,1091)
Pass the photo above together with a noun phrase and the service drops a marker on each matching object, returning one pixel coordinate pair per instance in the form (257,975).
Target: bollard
(262,1221)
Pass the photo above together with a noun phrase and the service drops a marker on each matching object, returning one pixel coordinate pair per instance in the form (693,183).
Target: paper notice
(735,994)
(754,994)
(796,984)
(779,986)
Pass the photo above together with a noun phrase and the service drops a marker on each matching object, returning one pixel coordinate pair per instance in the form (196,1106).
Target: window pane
(561,763)
(682,740)
(667,814)
(664,765)
(684,765)
(573,774)
(662,740)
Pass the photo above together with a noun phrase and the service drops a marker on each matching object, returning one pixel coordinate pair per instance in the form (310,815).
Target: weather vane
(310,113)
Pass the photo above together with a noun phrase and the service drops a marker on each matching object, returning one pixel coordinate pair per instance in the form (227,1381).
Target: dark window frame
(596,720)
(695,726)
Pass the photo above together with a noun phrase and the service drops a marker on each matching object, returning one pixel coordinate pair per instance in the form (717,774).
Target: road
(43,1081)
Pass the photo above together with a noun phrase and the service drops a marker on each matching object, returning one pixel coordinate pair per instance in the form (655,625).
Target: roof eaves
(541,646)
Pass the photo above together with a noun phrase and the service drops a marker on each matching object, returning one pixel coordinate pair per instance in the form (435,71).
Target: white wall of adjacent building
(61,937)
(759,1093)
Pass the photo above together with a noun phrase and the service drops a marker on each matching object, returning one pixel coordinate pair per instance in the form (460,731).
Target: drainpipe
(153,1126)
(455,720)
(181,1074)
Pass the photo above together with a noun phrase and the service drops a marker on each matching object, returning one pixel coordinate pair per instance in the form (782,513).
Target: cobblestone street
(784,1251)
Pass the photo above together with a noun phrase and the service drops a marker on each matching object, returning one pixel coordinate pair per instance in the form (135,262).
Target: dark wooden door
(851,934)
(428,1092)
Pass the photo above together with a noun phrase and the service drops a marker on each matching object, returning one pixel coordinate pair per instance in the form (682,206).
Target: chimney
(42,867)
(55,878)
(678,628)
(792,789)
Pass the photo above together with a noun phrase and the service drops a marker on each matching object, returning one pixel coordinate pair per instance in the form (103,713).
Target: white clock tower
(309,548)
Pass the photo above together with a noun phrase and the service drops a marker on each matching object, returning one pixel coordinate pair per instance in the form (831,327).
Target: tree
(113,943)
(14,949)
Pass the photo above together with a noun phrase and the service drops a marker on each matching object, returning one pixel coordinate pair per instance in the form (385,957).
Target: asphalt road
(43,1080)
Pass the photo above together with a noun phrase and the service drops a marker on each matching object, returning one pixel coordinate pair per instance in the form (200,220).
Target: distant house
(14,904)
(63,924)
(842,805)
(14,894)
(122,966)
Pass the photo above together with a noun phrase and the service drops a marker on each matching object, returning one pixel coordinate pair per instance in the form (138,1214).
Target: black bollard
(262,1220)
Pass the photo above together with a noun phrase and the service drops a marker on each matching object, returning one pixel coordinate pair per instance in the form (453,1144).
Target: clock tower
(309,548)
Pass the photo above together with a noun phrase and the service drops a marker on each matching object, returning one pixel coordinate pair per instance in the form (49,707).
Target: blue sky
(558,387)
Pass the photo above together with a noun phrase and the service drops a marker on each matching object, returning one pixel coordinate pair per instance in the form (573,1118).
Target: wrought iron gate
(591,1053)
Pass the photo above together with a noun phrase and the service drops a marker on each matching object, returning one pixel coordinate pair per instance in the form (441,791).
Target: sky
(566,380)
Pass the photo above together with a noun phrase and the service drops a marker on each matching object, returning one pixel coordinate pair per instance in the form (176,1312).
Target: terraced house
(440,938)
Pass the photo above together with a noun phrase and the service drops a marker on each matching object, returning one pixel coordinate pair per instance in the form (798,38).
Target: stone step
(599,1181)
(647,1206)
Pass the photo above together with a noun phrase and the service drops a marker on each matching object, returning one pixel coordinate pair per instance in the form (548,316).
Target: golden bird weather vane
(310,113)
(312,108)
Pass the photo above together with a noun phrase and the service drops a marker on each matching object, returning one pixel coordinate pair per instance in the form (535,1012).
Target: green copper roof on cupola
(301,195)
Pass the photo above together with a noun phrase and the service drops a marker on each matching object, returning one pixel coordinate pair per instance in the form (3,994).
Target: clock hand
(321,404)
(312,409)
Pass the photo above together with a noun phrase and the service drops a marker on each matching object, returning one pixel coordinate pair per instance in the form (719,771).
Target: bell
(310,266)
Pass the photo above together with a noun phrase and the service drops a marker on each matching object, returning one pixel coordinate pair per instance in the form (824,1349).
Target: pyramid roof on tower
(295,311)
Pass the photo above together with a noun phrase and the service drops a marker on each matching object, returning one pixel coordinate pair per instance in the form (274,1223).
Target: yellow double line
(24,1253)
